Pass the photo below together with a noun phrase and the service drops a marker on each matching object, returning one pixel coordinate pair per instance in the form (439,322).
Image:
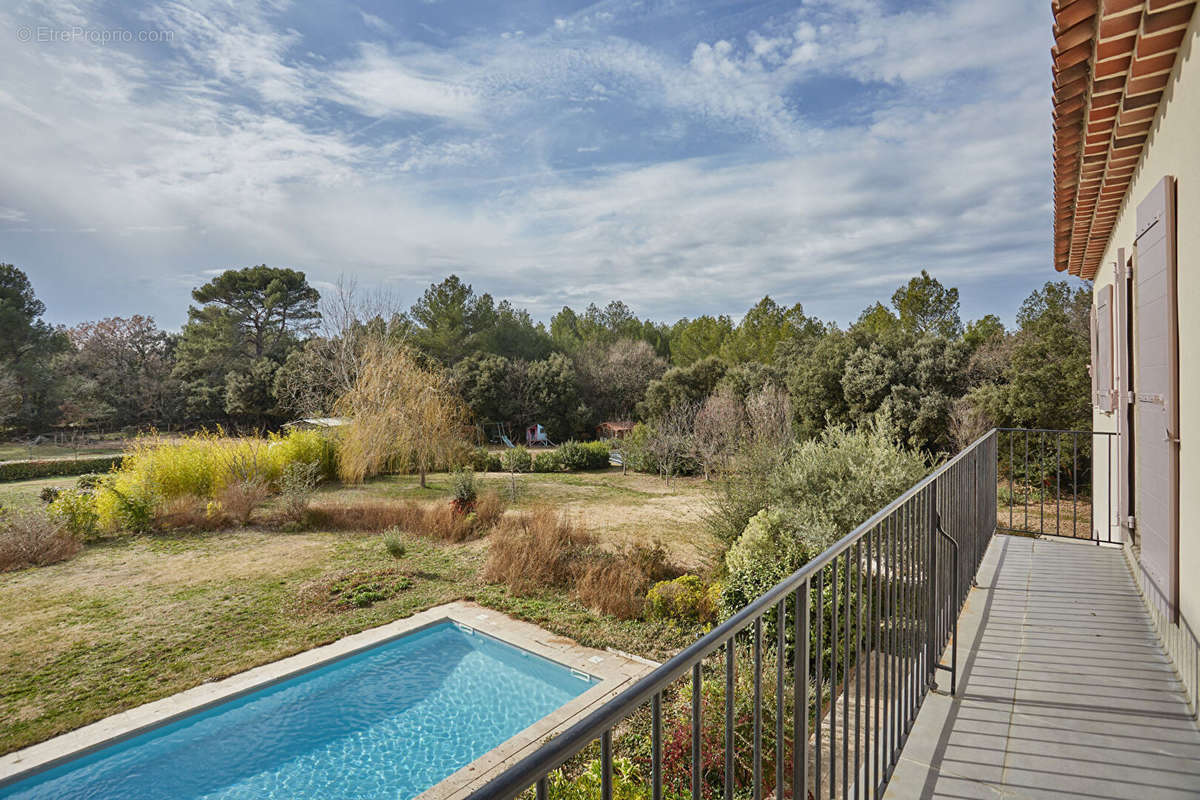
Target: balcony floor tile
(1064,690)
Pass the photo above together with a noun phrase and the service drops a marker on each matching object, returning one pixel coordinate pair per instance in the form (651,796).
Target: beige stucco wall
(1173,148)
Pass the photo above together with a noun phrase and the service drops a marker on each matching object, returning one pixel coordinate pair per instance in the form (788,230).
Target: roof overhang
(1112,61)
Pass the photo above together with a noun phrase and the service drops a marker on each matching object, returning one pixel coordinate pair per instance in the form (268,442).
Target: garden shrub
(53,468)
(463,490)
(547,461)
(627,782)
(535,550)
(304,447)
(205,463)
(124,500)
(823,488)
(686,599)
(479,459)
(572,456)
(49,494)
(635,450)
(239,500)
(236,473)
(89,482)
(296,486)
(837,481)
(394,544)
(770,549)
(577,456)
(599,455)
(34,538)
(516,459)
(76,510)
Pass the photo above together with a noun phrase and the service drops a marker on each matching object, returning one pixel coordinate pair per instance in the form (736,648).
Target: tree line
(261,346)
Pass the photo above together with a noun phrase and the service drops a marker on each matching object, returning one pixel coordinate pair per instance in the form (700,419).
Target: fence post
(931,635)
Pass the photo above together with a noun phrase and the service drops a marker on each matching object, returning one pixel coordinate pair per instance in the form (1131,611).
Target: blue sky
(685,157)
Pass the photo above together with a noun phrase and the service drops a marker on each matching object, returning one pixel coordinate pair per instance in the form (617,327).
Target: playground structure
(535,436)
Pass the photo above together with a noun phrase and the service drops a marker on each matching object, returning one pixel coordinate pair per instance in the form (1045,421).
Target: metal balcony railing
(840,654)
(1046,483)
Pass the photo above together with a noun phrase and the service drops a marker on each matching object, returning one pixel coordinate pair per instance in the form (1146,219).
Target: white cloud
(378,24)
(379,84)
(420,156)
(239,46)
(224,152)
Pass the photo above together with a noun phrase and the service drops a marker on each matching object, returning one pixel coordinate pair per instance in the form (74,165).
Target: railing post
(931,635)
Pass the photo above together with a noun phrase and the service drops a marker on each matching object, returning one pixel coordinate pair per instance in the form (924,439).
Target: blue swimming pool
(388,722)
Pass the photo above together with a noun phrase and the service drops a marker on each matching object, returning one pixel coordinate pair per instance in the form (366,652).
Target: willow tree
(403,415)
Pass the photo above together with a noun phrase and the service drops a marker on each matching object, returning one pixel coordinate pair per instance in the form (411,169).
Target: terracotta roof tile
(1112,62)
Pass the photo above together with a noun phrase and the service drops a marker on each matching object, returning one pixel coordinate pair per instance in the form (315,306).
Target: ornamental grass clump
(616,583)
(34,538)
(535,550)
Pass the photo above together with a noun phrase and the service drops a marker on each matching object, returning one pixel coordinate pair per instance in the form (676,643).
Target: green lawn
(16,451)
(24,494)
(135,618)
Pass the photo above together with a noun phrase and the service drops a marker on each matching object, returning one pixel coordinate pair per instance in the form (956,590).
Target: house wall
(1172,148)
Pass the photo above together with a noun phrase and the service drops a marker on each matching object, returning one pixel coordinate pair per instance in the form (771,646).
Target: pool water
(388,722)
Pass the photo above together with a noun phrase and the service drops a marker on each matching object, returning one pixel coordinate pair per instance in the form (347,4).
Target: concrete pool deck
(614,672)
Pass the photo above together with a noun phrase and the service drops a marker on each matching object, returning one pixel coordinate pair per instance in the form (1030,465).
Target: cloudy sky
(686,156)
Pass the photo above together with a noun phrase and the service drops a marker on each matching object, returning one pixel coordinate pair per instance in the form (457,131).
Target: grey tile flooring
(1065,691)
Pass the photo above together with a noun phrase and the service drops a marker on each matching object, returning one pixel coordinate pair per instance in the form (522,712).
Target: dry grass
(373,516)
(617,583)
(1064,517)
(1040,512)
(239,499)
(620,509)
(440,521)
(189,513)
(542,549)
(33,539)
(535,550)
(489,508)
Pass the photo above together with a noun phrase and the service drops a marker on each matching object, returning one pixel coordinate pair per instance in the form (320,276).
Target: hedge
(570,456)
(54,468)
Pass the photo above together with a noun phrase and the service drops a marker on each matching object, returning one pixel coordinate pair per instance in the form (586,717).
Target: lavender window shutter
(1156,392)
